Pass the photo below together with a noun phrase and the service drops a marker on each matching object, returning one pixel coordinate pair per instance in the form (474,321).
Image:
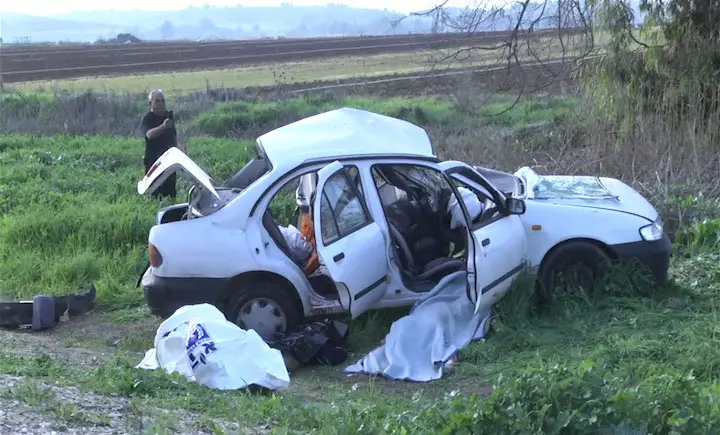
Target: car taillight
(152,168)
(155,257)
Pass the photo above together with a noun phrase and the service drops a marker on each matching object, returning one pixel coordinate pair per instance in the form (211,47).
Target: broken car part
(44,312)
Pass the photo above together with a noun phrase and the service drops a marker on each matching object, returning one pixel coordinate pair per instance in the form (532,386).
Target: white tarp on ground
(198,342)
(419,344)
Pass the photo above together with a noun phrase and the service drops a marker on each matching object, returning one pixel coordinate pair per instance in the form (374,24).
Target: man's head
(156,99)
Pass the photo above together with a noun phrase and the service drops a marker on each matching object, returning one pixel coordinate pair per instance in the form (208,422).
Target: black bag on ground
(319,342)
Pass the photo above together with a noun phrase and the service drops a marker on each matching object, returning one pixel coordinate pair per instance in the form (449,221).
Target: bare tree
(533,43)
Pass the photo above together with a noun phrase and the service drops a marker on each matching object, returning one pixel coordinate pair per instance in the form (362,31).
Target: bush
(246,119)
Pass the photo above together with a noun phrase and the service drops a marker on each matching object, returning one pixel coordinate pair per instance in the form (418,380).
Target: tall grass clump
(70,213)
(63,112)
(66,112)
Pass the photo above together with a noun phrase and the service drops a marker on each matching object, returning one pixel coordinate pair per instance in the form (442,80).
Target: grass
(241,118)
(58,194)
(633,356)
(623,360)
(69,212)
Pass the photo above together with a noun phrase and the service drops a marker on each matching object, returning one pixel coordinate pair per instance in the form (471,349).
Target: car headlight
(652,232)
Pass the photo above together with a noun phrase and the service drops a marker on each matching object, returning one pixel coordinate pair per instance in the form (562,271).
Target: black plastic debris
(44,312)
(318,342)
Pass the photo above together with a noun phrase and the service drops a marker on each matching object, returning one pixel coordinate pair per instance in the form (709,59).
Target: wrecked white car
(386,219)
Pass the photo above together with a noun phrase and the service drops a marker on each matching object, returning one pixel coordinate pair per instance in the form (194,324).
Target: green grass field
(634,357)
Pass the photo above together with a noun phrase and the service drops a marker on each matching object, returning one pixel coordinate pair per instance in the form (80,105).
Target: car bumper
(165,295)
(653,255)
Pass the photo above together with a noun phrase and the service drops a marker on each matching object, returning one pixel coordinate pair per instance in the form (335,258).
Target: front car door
(350,244)
(499,235)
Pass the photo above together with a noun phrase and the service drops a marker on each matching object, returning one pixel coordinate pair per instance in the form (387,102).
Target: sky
(50,7)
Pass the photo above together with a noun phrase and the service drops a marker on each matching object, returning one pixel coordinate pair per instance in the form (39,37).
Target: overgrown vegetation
(633,357)
(70,213)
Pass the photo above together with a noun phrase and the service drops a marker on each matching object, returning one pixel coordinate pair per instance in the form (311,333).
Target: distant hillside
(237,22)
(208,23)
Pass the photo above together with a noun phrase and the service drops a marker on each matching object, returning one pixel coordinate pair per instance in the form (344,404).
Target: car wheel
(573,267)
(264,306)
(43,313)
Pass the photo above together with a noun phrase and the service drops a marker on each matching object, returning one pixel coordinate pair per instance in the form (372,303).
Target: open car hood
(586,191)
(172,161)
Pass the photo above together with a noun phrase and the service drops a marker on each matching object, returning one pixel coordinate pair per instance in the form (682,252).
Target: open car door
(497,233)
(473,252)
(170,162)
(349,242)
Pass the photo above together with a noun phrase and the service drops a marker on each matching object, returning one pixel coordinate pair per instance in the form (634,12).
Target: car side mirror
(515,206)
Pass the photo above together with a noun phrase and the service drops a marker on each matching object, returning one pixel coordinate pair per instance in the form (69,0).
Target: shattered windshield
(557,187)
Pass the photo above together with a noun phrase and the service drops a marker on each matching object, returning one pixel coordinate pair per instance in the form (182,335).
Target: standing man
(158,127)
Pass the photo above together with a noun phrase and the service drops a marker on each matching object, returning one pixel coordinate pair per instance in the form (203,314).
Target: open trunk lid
(172,161)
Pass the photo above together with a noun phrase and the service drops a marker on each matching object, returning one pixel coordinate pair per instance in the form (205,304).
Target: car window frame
(502,212)
(369,219)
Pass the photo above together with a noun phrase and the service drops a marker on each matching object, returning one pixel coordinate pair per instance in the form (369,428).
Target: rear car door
(350,244)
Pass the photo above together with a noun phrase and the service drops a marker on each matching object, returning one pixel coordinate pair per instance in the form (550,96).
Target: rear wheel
(265,306)
(573,268)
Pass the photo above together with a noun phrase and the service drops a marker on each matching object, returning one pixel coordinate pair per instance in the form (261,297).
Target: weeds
(633,356)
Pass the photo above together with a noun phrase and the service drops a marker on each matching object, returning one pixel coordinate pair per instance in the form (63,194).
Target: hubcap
(575,277)
(262,315)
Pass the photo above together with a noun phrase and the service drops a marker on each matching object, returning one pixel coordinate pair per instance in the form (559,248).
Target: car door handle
(339,257)
(486,242)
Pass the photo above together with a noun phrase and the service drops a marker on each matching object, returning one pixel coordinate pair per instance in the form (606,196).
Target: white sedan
(389,221)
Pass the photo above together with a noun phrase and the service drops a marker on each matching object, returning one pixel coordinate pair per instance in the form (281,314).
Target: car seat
(420,271)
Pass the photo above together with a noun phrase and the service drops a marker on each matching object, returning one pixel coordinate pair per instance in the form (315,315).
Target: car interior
(415,202)
(322,284)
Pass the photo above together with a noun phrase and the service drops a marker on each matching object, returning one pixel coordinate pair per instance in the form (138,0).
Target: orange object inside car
(307,229)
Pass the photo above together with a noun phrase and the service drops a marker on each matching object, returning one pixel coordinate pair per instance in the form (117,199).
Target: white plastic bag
(472,203)
(300,248)
(198,342)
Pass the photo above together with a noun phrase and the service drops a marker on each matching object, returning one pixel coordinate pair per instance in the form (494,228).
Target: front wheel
(574,267)
(264,306)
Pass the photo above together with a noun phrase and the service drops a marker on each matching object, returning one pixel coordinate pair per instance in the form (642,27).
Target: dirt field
(52,62)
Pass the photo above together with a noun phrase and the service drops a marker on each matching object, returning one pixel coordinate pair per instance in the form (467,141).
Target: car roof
(344,132)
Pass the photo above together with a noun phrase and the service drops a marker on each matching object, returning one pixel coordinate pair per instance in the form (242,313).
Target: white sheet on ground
(419,344)
(200,343)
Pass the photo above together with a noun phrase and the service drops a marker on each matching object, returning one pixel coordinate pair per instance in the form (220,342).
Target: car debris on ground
(318,342)
(44,312)
(198,342)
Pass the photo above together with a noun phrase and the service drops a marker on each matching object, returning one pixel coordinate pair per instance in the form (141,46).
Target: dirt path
(30,406)
(47,405)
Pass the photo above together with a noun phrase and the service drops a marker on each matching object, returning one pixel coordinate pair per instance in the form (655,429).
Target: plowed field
(19,64)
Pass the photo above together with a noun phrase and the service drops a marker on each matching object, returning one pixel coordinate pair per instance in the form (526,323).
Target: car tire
(586,259)
(269,298)
(43,313)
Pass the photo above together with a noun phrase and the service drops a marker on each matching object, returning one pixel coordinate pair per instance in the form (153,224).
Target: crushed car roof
(344,132)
